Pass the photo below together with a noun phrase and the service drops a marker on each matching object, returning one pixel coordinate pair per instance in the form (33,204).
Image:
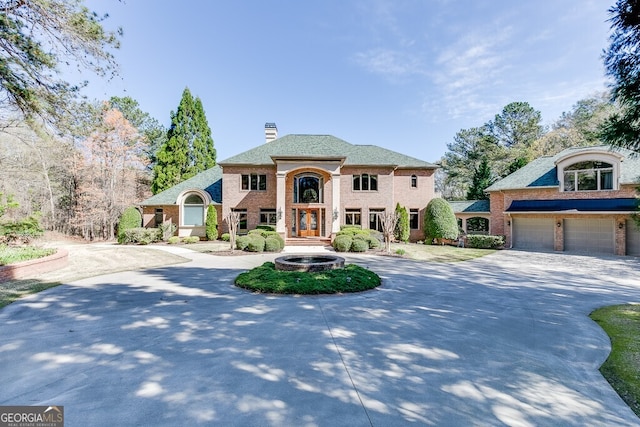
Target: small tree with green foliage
(212,223)
(402,227)
(130,218)
(439,221)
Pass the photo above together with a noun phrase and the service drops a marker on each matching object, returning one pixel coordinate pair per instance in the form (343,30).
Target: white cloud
(390,63)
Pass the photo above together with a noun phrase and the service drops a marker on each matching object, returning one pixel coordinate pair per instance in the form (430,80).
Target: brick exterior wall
(394,186)
(501,200)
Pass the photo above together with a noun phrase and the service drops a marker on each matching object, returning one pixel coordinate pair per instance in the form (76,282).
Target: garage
(633,238)
(589,235)
(533,233)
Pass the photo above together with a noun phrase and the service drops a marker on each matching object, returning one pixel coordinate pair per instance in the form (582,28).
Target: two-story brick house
(580,200)
(307,186)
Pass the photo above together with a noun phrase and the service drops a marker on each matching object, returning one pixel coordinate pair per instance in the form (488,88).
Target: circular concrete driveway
(501,340)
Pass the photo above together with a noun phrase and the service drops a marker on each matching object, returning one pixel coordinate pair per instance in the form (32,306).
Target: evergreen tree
(480,181)
(188,149)
(622,61)
(402,226)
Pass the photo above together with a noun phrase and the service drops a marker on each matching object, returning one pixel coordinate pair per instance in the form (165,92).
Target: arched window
(588,175)
(307,188)
(414,181)
(193,210)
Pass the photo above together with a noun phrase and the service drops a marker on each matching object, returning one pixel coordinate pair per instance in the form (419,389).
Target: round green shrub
(130,218)
(272,244)
(278,237)
(256,243)
(359,245)
(242,242)
(342,243)
(191,239)
(225,237)
(439,221)
(372,242)
(173,240)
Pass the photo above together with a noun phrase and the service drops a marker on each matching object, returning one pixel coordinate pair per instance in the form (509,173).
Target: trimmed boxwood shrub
(480,241)
(141,235)
(256,243)
(266,227)
(191,239)
(173,240)
(439,221)
(372,242)
(242,242)
(225,237)
(130,218)
(272,244)
(359,245)
(342,243)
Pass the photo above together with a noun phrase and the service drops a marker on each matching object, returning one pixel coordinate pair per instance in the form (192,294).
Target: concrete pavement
(501,340)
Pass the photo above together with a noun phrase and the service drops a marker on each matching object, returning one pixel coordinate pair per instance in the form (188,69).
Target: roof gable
(542,171)
(209,181)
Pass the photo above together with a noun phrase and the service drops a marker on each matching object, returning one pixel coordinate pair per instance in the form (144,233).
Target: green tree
(481,180)
(39,35)
(439,221)
(469,149)
(402,227)
(188,149)
(622,63)
(212,223)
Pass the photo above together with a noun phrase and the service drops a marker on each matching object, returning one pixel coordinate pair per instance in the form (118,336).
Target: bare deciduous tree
(233,221)
(389,222)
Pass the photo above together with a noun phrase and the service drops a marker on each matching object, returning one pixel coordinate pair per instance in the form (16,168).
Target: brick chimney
(270,131)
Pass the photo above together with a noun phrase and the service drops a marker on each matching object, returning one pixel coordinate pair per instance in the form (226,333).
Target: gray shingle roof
(470,206)
(542,171)
(319,146)
(209,181)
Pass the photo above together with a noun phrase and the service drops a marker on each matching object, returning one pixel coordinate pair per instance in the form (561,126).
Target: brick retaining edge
(33,267)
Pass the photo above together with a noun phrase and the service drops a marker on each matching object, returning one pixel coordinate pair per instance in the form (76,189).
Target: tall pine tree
(188,149)
(481,180)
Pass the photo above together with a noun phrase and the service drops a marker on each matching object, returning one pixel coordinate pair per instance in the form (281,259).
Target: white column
(335,203)
(281,198)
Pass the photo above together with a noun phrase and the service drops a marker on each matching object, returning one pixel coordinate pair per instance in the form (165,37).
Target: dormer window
(588,176)
(589,169)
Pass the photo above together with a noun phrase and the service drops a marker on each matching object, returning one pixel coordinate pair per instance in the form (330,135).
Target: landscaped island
(266,279)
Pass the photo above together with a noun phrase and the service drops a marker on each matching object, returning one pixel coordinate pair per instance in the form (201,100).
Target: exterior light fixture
(621,225)
(558,224)
(508,223)
(279,214)
(335,213)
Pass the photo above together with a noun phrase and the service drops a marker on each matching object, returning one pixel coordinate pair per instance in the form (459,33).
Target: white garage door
(589,236)
(533,233)
(633,238)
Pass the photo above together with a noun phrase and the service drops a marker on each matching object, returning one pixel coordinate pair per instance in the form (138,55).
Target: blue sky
(401,74)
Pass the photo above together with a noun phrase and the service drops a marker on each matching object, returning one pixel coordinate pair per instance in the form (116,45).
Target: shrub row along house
(307,186)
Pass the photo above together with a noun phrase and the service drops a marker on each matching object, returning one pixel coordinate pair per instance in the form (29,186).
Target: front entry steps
(307,241)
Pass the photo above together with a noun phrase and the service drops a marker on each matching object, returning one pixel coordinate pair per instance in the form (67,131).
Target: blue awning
(575,205)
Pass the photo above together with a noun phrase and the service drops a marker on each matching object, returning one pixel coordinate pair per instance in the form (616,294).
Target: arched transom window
(307,188)
(193,210)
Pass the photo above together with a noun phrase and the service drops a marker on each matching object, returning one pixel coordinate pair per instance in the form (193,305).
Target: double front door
(308,222)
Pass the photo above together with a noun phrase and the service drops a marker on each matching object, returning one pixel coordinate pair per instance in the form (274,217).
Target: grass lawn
(265,278)
(14,254)
(438,253)
(622,367)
